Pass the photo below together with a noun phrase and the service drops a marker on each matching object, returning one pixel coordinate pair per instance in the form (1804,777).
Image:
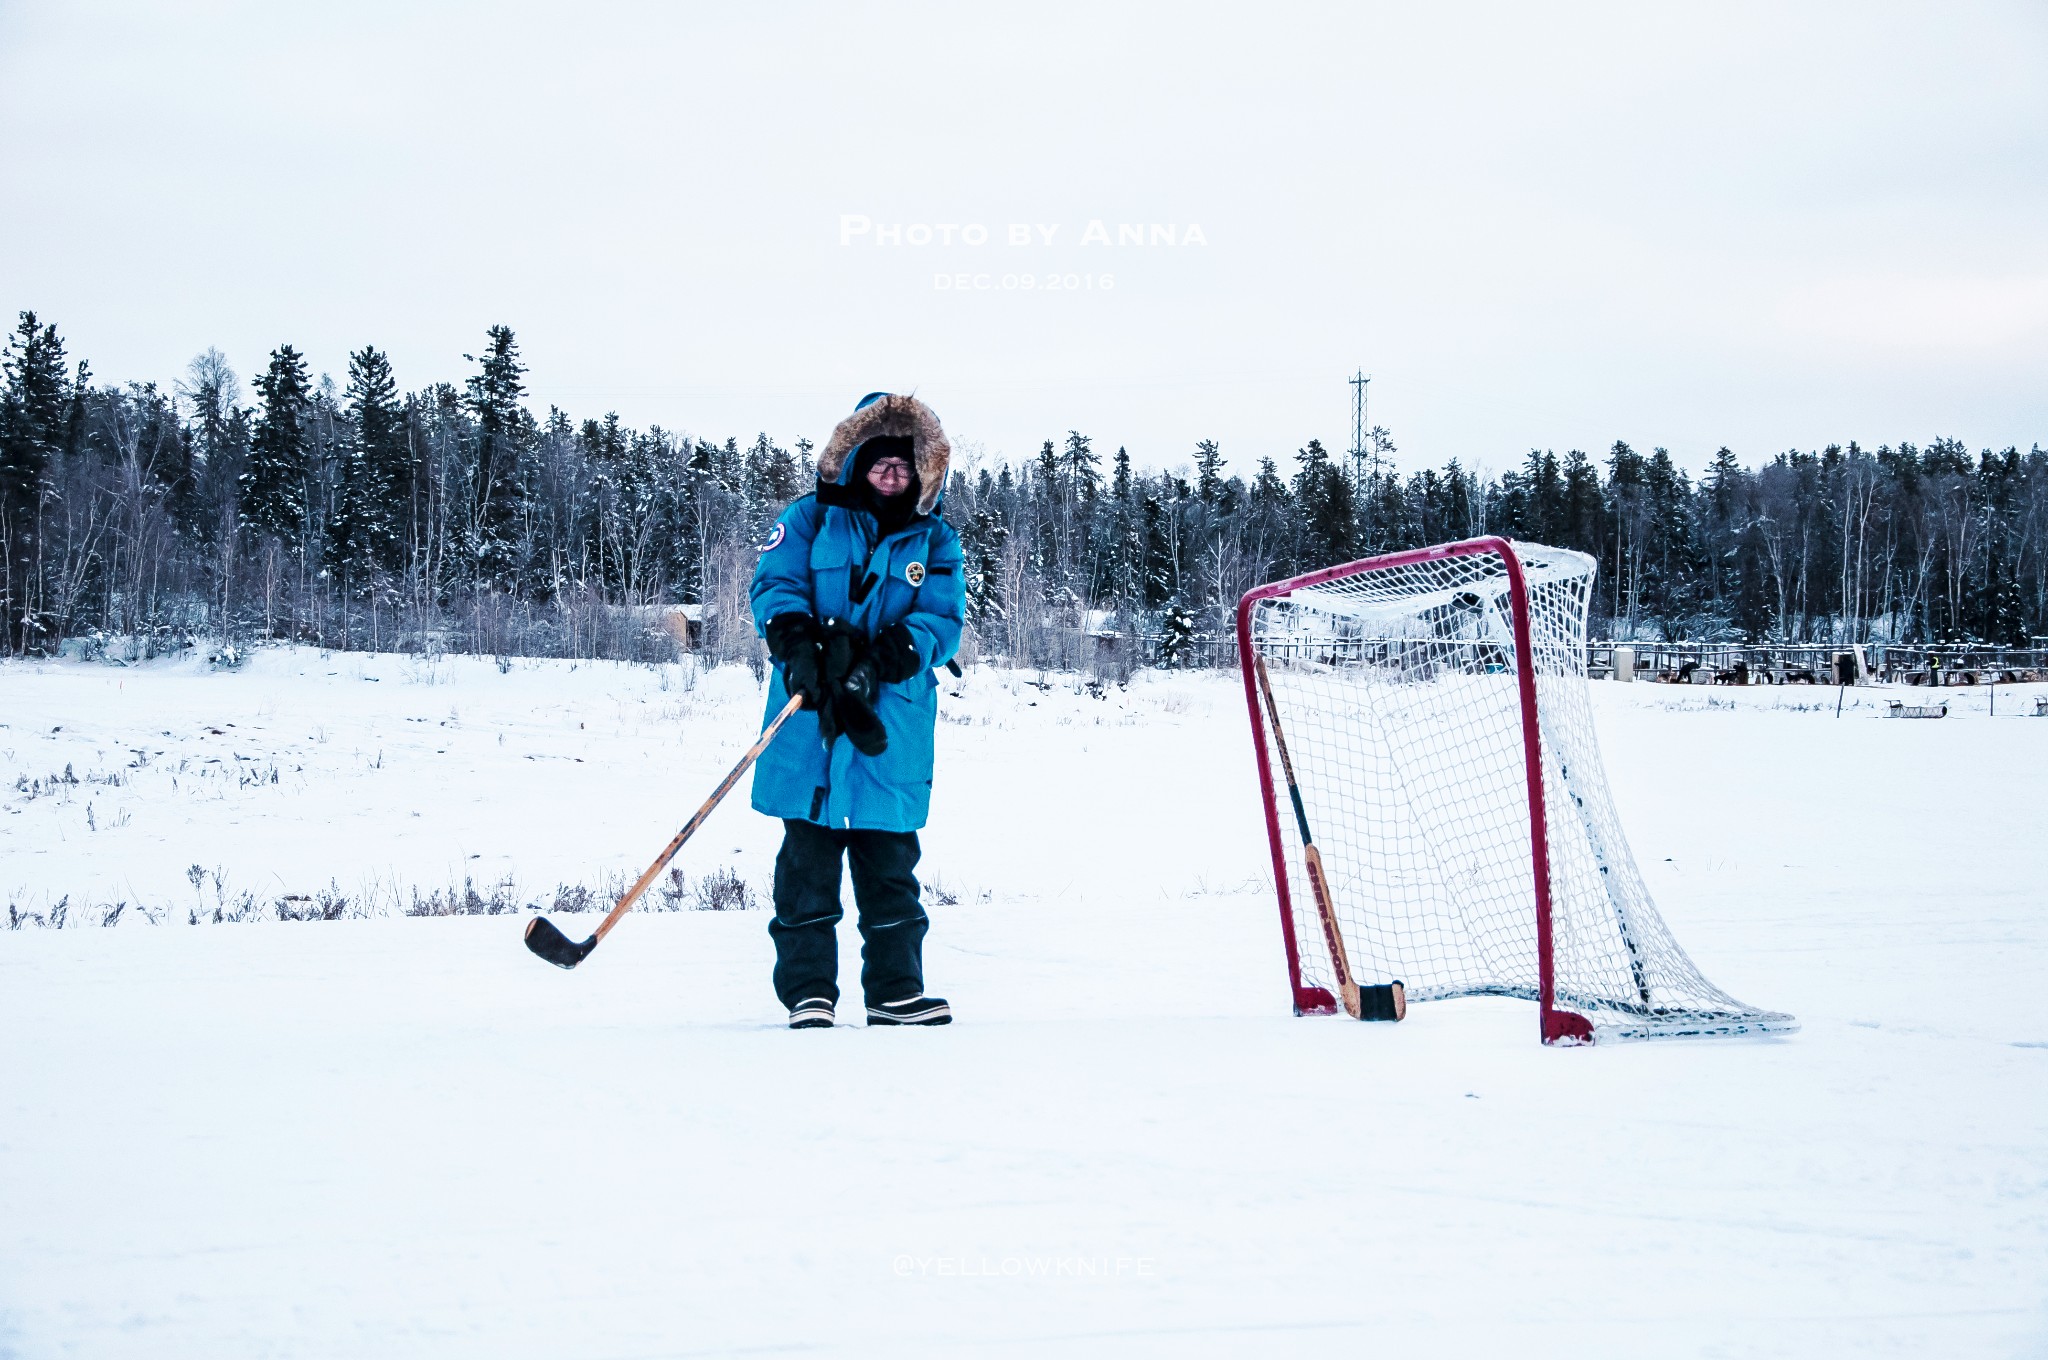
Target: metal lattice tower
(1363,459)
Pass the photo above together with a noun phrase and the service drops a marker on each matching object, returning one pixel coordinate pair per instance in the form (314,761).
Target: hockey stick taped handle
(796,701)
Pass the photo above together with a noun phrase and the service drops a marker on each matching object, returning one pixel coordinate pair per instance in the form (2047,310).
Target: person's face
(889,476)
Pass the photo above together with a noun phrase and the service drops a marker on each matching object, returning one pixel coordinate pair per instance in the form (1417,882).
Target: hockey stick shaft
(690,828)
(1319,883)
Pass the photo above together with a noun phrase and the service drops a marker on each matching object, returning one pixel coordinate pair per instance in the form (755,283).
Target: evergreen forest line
(451,517)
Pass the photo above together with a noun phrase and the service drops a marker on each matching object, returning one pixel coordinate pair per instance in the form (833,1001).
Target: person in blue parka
(859,595)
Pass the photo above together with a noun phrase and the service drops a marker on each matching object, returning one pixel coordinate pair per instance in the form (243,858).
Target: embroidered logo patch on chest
(913,572)
(774,538)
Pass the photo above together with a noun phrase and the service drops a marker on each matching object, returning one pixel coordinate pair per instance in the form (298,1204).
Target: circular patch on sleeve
(914,573)
(774,538)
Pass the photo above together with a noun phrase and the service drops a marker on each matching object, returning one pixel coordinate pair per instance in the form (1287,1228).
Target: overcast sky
(1770,225)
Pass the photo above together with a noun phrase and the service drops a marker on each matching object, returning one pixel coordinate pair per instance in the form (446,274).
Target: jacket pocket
(910,712)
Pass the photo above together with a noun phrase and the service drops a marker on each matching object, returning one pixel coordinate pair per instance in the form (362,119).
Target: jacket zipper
(863,583)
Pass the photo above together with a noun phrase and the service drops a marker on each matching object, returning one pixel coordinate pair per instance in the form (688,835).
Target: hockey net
(1421,696)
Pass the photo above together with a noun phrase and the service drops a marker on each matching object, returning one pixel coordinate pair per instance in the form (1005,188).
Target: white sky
(1765,225)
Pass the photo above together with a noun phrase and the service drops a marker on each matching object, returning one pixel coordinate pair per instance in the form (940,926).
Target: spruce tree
(982,547)
(728,466)
(1177,637)
(1752,613)
(1156,563)
(1124,568)
(1580,517)
(1670,580)
(607,449)
(1271,524)
(1313,459)
(1511,501)
(1083,470)
(1627,507)
(1389,512)
(1426,497)
(36,403)
(2000,615)
(1458,521)
(1209,470)
(1268,491)
(369,525)
(1543,517)
(1720,519)
(493,397)
(220,440)
(1324,501)
(771,480)
(1048,476)
(272,486)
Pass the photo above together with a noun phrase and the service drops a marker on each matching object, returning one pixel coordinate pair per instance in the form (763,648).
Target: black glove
(860,682)
(895,655)
(793,640)
(854,705)
(850,682)
(840,646)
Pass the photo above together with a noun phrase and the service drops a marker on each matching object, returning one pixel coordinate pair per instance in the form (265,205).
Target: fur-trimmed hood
(887,413)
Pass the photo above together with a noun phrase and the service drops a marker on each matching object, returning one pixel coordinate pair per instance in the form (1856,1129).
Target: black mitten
(840,647)
(895,655)
(855,700)
(861,682)
(857,717)
(850,684)
(793,640)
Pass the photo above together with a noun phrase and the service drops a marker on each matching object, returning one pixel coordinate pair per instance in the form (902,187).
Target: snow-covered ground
(404,1137)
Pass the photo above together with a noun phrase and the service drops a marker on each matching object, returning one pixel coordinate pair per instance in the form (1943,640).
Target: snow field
(405,1137)
(393,775)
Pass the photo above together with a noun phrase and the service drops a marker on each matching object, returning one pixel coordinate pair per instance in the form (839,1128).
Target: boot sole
(939,1016)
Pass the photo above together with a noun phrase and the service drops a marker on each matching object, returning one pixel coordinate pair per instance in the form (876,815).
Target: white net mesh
(1399,694)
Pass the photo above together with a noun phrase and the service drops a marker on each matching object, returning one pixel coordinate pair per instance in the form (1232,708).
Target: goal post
(1443,752)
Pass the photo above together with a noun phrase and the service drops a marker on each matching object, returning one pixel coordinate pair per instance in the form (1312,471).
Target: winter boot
(913,1010)
(815,1013)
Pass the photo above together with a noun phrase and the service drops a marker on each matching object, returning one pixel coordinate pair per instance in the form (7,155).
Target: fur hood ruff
(891,414)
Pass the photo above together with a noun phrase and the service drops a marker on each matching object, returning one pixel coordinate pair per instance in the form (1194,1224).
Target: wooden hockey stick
(1390,1002)
(551,944)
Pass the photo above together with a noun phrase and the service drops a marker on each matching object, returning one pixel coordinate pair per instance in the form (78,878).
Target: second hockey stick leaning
(1385,1003)
(551,944)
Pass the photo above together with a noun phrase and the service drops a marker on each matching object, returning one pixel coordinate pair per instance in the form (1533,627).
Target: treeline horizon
(451,517)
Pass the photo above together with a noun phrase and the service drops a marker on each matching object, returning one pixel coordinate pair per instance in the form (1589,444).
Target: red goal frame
(1557,1026)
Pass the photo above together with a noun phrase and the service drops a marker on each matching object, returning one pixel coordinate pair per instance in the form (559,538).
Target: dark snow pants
(807,912)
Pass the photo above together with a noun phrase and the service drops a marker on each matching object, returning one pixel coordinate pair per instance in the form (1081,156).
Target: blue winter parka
(812,563)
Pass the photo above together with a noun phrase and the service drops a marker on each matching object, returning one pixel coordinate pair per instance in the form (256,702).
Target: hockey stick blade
(551,944)
(1383,1003)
